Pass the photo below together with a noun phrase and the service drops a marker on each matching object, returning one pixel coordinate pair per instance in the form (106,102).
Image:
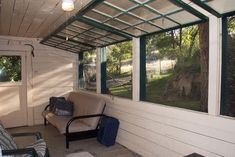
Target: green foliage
(10,68)
(89,69)
(181,44)
(116,54)
(231,26)
(89,56)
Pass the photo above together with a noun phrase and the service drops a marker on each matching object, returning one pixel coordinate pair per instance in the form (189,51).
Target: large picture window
(177,67)
(119,69)
(228,80)
(10,68)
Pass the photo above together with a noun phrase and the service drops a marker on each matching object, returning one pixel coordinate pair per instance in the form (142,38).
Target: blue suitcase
(108,131)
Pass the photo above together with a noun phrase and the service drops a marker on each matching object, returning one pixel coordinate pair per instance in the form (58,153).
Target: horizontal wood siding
(157,130)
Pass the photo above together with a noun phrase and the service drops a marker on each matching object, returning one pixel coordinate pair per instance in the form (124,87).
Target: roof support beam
(215,59)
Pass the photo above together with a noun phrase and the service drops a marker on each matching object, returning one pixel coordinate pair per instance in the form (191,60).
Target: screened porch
(164,68)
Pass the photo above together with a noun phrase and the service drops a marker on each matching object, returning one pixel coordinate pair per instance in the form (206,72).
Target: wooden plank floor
(56,144)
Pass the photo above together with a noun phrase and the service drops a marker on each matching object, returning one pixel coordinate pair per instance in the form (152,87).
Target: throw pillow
(52,102)
(63,108)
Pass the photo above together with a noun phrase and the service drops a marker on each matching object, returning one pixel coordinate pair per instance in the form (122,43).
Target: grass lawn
(125,92)
(154,92)
(156,88)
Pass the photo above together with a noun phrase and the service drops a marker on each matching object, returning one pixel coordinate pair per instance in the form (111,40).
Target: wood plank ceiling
(33,18)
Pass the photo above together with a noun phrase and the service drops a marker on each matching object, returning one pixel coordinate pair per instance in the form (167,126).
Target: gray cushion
(87,104)
(60,123)
(6,140)
(84,104)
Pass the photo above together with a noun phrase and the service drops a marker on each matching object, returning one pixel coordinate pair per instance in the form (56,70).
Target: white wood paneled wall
(54,73)
(155,130)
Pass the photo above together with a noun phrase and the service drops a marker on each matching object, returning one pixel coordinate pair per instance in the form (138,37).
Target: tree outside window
(177,67)
(89,70)
(119,69)
(10,68)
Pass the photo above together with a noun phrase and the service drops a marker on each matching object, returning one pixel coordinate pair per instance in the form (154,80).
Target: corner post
(215,59)
(136,69)
(101,70)
(80,71)
(142,67)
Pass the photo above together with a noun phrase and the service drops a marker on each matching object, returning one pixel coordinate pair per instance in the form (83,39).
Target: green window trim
(224,75)
(142,68)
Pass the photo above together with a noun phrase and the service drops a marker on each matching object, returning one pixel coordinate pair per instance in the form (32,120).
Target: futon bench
(88,110)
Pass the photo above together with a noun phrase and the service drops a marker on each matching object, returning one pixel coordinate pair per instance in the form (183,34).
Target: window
(119,69)
(228,80)
(10,68)
(177,67)
(89,70)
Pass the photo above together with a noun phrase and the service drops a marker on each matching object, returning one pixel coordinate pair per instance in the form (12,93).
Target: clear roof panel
(183,17)
(79,36)
(140,17)
(164,23)
(123,4)
(105,22)
(163,6)
(143,13)
(221,6)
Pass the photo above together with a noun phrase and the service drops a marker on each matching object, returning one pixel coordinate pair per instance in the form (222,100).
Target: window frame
(224,90)
(143,78)
(104,73)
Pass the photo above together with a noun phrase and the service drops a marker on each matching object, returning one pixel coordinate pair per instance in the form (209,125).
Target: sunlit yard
(156,88)
(121,91)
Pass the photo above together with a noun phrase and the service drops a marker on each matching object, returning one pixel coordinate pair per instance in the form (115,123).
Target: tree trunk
(181,35)
(204,59)
(192,41)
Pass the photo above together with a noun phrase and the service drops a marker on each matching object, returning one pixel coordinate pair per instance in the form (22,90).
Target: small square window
(117,24)
(144,13)
(164,23)
(129,19)
(134,31)
(148,27)
(107,10)
(10,68)
(123,4)
(163,6)
(184,17)
(95,16)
